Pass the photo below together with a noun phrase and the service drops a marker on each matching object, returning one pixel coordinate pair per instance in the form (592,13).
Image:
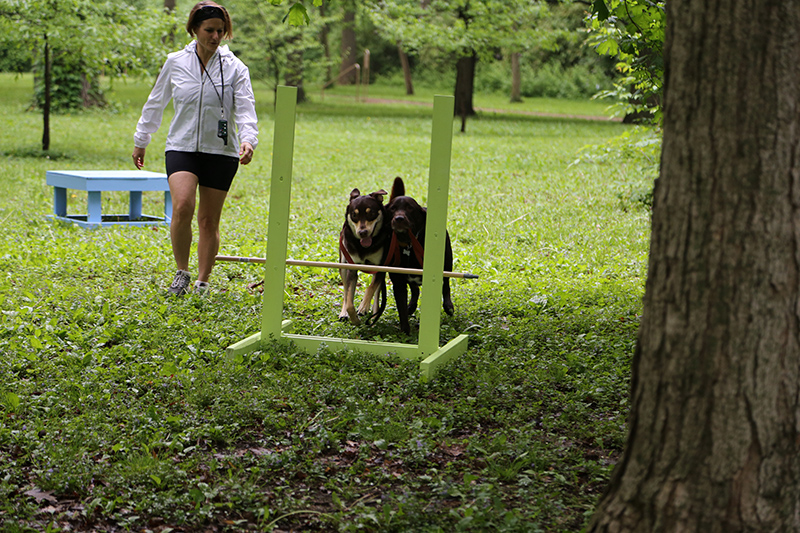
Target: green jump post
(435,239)
(278,227)
(279,199)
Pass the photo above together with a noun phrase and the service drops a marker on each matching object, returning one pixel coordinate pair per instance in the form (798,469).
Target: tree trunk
(324,39)
(169,7)
(516,78)
(406,68)
(48,78)
(714,425)
(294,70)
(348,49)
(465,84)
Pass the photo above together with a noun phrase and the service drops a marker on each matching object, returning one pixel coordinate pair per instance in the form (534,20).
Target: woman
(214,129)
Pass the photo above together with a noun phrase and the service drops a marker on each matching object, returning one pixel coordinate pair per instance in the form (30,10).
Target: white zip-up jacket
(197,104)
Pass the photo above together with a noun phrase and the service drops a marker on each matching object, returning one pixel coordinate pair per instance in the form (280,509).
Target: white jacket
(197,106)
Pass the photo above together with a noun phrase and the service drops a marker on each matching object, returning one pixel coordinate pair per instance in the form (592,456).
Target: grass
(119,412)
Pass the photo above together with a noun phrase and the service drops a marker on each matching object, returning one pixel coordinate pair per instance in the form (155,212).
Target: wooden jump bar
(348,266)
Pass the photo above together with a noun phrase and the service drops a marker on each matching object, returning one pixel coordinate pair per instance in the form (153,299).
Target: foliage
(633,32)
(87,38)
(265,43)
(119,411)
(14,59)
(74,85)
(461,27)
(298,13)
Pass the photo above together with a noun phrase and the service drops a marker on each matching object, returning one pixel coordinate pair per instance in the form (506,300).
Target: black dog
(364,239)
(407,219)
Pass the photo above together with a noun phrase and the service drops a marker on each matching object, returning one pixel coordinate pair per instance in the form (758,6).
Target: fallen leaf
(40,495)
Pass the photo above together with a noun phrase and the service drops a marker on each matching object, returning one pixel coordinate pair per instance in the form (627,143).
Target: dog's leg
(399,287)
(447,303)
(349,282)
(363,309)
(380,301)
(412,304)
(372,296)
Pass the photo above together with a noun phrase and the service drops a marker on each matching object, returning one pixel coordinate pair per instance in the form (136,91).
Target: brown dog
(407,219)
(364,239)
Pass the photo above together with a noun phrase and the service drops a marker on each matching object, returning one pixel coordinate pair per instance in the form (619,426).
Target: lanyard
(221,80)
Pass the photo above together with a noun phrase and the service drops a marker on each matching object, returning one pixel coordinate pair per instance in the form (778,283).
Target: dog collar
(394,259)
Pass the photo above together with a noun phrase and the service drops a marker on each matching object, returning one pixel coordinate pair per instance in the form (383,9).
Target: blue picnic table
(95,182)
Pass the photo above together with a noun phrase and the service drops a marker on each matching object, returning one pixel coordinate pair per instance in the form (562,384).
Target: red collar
(393,259)
(343,249)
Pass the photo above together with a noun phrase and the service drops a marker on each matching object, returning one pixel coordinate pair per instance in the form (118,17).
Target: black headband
(208,12)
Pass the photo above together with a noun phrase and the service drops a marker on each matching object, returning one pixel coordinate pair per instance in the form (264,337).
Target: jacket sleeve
(153,110)
(245,107)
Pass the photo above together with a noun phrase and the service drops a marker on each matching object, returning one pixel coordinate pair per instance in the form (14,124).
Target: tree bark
(348,49)
(406,68)
(516,78)
(465,85)
(169,7)
(324,39)
(48,79)
(293,75)
(714,425)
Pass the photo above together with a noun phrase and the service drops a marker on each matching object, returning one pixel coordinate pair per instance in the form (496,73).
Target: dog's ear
(378,195)
(355,193)
(398,187)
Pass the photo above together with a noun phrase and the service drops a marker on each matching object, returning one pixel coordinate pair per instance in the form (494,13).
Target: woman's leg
(183,187)
(208,215)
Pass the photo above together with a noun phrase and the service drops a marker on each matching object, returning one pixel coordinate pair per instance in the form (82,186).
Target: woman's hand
(245,153)
(138,157)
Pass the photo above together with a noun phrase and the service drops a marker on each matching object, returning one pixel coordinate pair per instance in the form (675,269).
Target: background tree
(632,32)
(275,50)
(713,429)
(79,39)
(349,48)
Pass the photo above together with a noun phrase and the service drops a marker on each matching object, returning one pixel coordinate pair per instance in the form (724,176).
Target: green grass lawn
(118,409)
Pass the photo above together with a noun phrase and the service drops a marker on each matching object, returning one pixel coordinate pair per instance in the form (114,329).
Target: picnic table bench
(95,182)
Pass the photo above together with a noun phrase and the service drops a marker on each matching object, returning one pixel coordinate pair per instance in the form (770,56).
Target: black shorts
(212,170)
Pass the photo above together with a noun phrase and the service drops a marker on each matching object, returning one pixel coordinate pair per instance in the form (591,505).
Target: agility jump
(273,326)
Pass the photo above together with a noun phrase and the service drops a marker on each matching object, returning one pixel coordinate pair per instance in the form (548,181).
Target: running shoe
(180,285)
(201,288)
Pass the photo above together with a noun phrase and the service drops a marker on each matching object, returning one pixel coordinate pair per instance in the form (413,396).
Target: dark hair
(209,10)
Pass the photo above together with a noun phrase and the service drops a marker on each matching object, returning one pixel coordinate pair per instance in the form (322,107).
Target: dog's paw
(449,308)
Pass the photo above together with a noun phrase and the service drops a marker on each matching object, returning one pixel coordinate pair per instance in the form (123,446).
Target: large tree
(714,427)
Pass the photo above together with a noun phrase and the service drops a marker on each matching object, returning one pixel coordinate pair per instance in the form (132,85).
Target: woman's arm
(153,109)
(244,109)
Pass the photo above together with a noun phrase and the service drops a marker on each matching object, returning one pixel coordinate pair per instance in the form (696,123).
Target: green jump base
(429,365)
